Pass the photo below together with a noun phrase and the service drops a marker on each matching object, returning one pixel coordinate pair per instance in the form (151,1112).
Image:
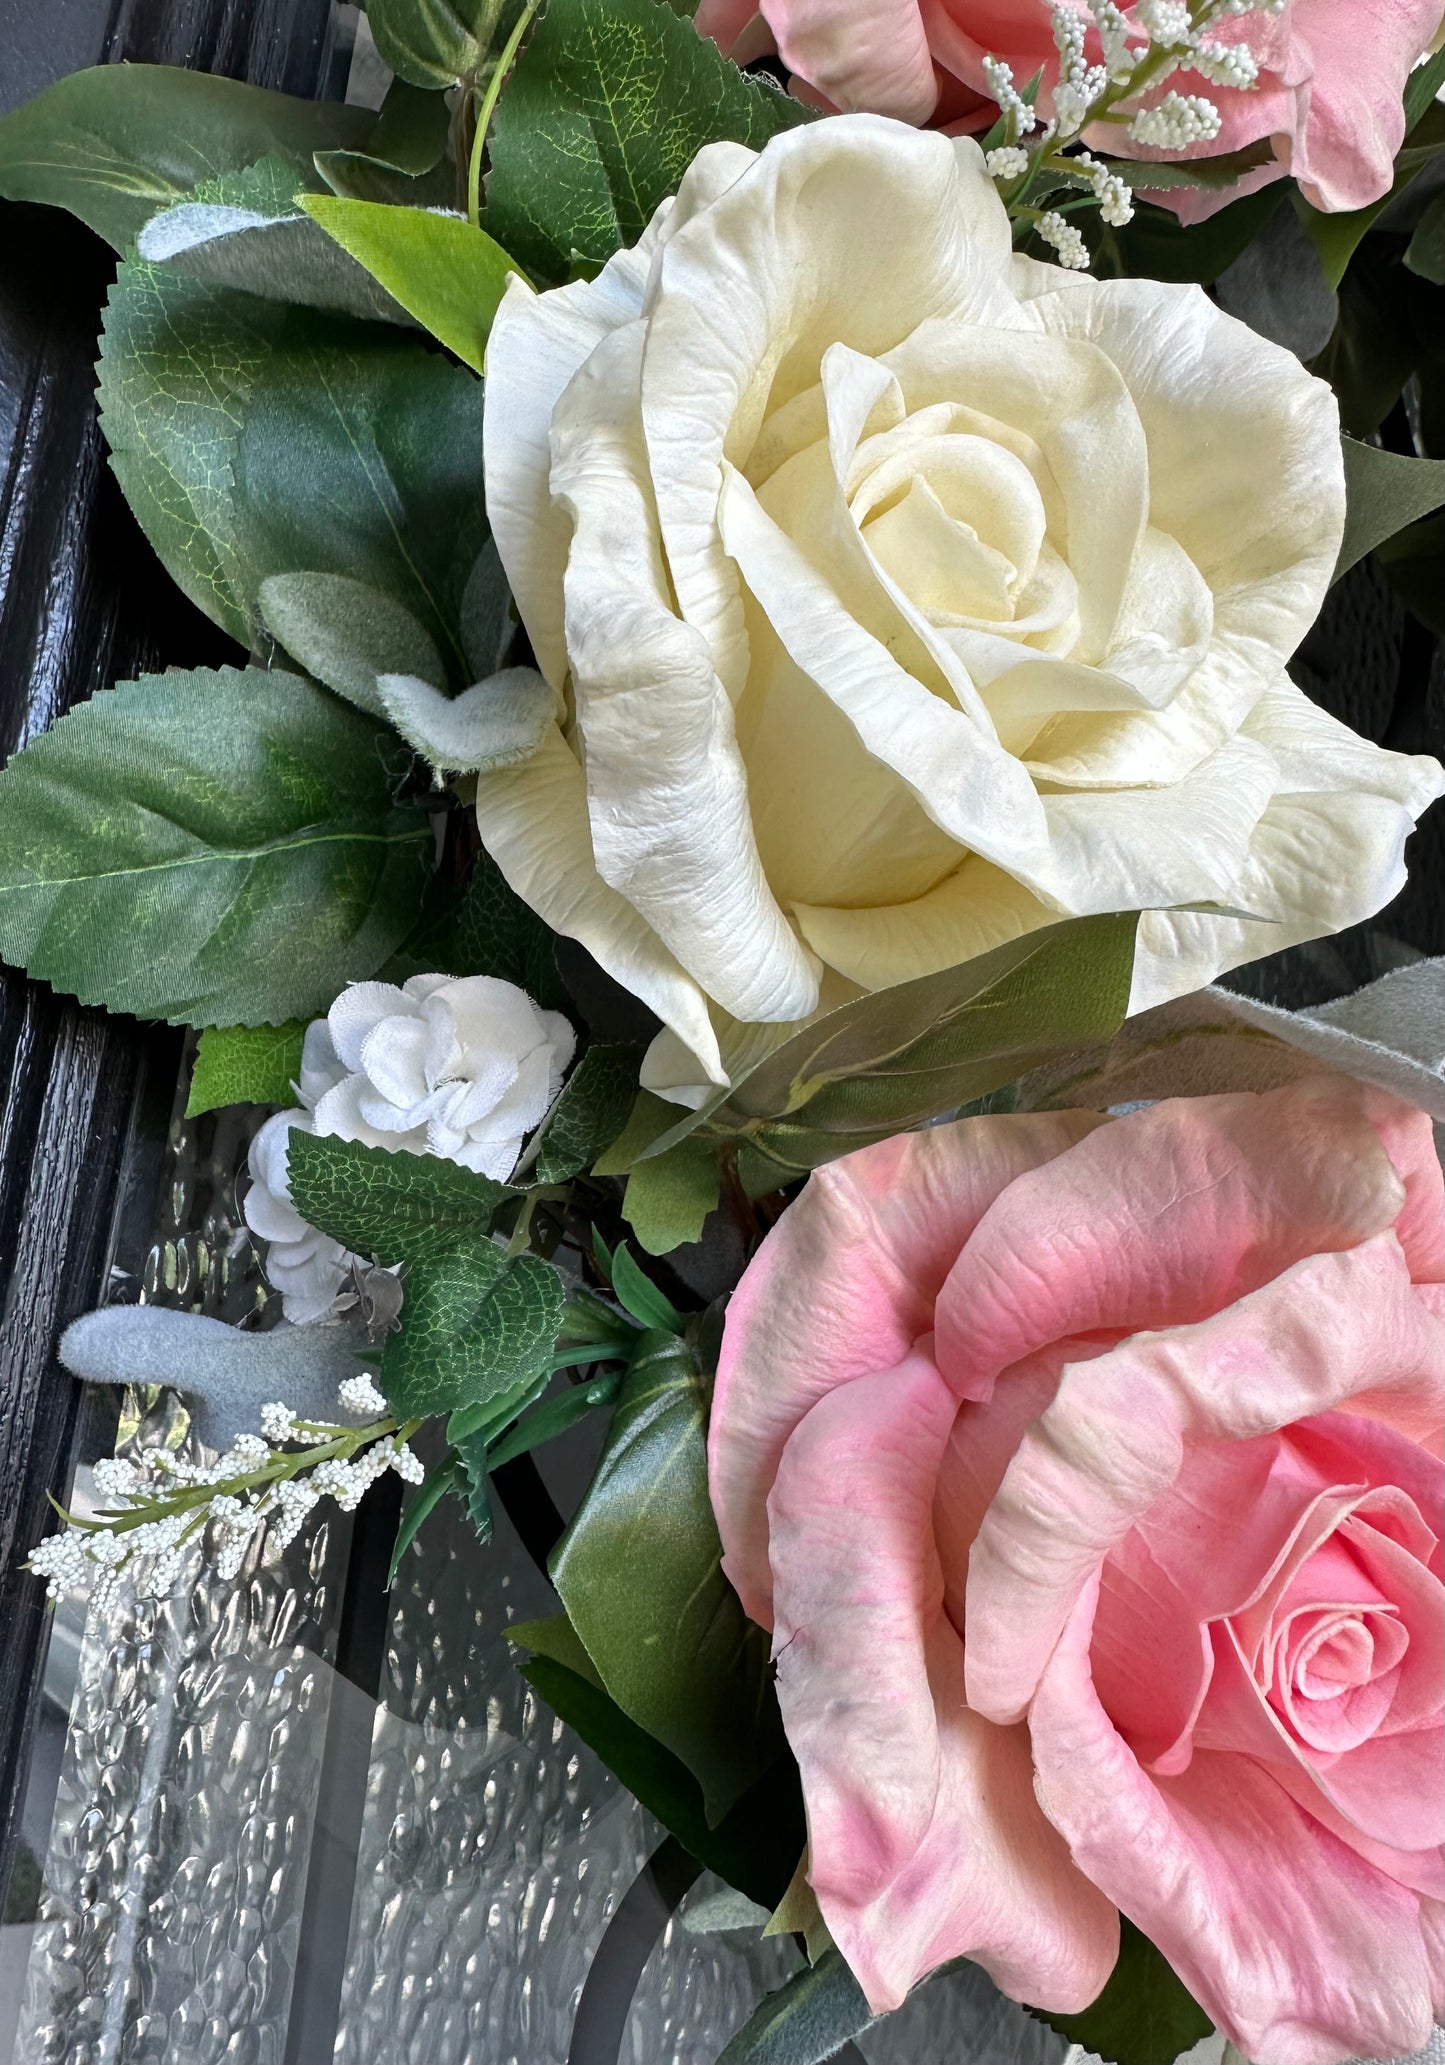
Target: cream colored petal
(533,822)
(666,787)
(853,229)
(978,908)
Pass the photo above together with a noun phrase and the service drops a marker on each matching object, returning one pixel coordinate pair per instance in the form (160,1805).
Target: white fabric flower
(907,595)
(459,1067)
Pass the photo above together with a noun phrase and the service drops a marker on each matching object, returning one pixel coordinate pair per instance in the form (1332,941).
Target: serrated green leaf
(1145,2014)
(444,271)
(433,43)
(392,1206)
(590,1112)
(245,1064)
(346,632)
(1384,491)
(484,928)
(118,142)
(639,1572)
(806,2020)
(669,1196)
(474,1325)
(475,1485)
(608,107)
(1225,170)
(162,839)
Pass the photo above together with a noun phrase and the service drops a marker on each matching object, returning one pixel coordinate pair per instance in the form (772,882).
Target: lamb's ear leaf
(346,633)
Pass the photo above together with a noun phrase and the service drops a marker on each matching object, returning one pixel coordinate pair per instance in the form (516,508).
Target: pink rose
(1332,75)
(1087,1472)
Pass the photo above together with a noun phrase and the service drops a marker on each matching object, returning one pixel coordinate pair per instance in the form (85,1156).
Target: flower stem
(484,111)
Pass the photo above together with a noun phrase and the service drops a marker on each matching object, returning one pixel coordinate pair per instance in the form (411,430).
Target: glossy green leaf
(442,270)
(638,1295)
(1145,2014)
(805,2021)
(1384,491)
(163,840)
(554,1416)
(669,1196)
(390,1205)
(118,142)
(473,1326)
(639,1572)
(590,1112)
(245,1064)
(432,43)
(346,633)
(608,107)
(484,928)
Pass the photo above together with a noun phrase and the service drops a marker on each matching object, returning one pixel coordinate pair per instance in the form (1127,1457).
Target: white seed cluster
(156,1526)
(1166,22)
(1080,83)
(1114,31)
(1007,162)
(1225,64)
(1066,241)
(1011,103)
(1176,122)
(1112,192)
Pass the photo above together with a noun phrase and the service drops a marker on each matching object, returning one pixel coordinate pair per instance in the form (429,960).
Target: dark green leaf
(486,929)
(476,1426)
(412,131)
(118,142)
(669,1196)
(1156,245)
(1383,492)
(638,1295)
(212,848)
(806,2021)
(346,632)
(1277,286)
(428,1495)
(474,1325)
(1376,344)
(1414,563)
(639,1572)
(1426,253)
(555,1415)
(442,270)
(1421,88)
(390,1206)
(605,112)
(1227,169)
(433,42)
(245,1064)
(474,1472)
(754,1847)
(590,1112)
(1145,2015)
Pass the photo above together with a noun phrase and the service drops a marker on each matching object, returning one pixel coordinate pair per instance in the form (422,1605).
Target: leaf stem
(485,108)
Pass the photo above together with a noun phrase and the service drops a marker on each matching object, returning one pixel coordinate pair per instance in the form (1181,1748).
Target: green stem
(485,108)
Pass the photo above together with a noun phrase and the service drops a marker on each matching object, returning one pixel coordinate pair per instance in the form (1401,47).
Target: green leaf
(639,1572)
(554,1416)
(1225,170)
(118,142)
(753,1847)
(1383,492)
(590,1112)
(1426,252)
(649,1119)
(412,131)
(474,1325)
(485,929)
(806,2021)
(669,1196)
(433,42)
(638,1295)
(1414,564)
(475,1485)
(442,270)
(1421,88)
(1145,2014)
(499,722)
(422,1504)
(245,1064)
(211,848)
(346,633)
(390,1205)
(607,108)
(1156,245)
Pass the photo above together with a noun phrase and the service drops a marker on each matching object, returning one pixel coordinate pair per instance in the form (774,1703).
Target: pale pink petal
(1409,1138)
(1162,1218)
(925,1842)
(1300,1951)
(724,21)
(843,1285)
(872,55)
(1114,1438)
(1360,54)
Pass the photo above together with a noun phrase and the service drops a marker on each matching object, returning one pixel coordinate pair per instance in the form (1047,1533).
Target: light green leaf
(590,1112)
(346,633)
(446,273)
(473,1326)
(245,1064)
(638,1295)
(639,1572)
(118,142)
(650,1119)
(1145,2014)
(495,723)
(806,2021)
(212,848)
(433,42)
(392,1206)
(669,1196)
(608,107)
(1383,492)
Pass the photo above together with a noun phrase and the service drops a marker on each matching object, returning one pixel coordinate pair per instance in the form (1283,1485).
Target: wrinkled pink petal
(1344,151)
(843,1285)
(724,21)
(872,55)
(925,1841)
(1113,1440)
(1409,1140)
(1300,1951)
(1162,1218)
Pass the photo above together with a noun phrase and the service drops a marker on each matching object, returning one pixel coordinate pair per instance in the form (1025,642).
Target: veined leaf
(433,43)
(164,840)
(474,1325)
(590,1112)
(118,142)
(607,108)
(245,1064)
(391,1205)
(484,929)
(639,1572)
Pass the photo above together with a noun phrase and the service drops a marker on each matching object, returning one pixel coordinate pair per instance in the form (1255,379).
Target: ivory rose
(1330,91)
(901,594)
(1087,1473)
